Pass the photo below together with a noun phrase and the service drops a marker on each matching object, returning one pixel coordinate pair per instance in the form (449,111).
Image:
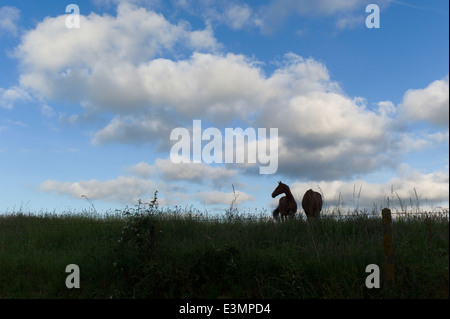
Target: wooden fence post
(388,246)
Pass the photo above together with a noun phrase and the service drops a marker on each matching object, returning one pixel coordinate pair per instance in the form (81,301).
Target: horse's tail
(276,213)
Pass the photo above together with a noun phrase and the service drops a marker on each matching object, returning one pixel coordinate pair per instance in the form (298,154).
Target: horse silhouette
(287,206)
(312,204)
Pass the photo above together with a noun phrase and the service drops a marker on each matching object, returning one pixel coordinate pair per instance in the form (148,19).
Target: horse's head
(279,190)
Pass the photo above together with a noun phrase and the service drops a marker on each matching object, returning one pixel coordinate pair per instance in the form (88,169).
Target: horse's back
(312,203)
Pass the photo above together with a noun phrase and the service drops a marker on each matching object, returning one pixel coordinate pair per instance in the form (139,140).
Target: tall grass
(34,251)
(148,252)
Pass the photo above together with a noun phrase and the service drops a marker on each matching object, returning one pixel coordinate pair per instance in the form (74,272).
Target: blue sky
(89,110)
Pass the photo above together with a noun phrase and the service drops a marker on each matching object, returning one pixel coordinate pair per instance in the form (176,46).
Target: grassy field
(146,253)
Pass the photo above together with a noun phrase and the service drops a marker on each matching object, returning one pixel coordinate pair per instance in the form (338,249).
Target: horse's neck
(289,194)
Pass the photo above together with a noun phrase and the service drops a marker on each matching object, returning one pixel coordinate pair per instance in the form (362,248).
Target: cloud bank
(151,75)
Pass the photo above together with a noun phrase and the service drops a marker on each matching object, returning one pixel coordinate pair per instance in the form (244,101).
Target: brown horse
(312,204)
(287,206)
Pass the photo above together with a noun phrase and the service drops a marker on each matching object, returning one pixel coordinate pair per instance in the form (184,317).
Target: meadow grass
(146,252)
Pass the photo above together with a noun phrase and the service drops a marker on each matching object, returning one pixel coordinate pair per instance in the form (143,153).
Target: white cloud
(328,135)
(429,186)
(206,84)
(47,111)
(131,65)
(142,170)
(11,96)
(350,22)
(218,198)
(101,68)
(124,188)
(141,184)
(71,63)
(131,129)
(9,17)
(431,189)
(386,108)
(135,35)
(430,104)
(237,16)
(194,172)
(410,142)
(16,123)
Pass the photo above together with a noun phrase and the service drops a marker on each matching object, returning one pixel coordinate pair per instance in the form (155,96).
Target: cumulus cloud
(238,15)
(193,172)
(326,135)
(430,188)
(9,17)
(12,95)
(410,142)
(386,108)
(216,197)
(66,63)
(430,104)
(140,183)
(105,66)
(132,129)
(142,170)
(153,75)
(318,125)
(125,188)
(350,22)
(134,35)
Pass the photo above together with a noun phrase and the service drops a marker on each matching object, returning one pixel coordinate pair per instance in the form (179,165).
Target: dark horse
(287,206)
(312,204)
